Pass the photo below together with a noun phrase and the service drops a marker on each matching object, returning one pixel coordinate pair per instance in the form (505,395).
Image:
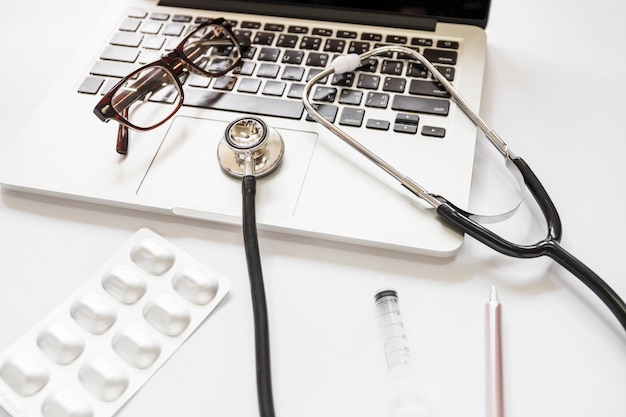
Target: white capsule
(137,346)
(24,373)
(125,284)
(61,343)
(103,378)
(195,285)
(152,256)
(167,315)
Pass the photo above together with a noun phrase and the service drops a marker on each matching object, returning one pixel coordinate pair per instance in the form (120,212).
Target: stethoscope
(250,148)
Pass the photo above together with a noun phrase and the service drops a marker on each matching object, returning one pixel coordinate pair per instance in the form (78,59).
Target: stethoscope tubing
(464,221)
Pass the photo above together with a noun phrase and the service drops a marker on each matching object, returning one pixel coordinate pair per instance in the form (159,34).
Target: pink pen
(495,406)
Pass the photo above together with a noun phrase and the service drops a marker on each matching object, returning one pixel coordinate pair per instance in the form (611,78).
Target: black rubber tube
(259,303)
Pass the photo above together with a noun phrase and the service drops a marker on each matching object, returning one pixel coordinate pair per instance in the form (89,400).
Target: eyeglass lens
(153,95)
(211,50)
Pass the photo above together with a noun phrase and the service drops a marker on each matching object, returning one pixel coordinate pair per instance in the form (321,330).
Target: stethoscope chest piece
(250,147)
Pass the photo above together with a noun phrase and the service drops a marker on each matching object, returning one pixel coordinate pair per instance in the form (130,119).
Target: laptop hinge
(310,13)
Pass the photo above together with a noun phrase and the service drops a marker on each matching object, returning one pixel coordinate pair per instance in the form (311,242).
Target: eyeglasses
(152,94)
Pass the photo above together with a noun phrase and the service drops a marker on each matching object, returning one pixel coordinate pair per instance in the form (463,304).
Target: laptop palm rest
(186,172)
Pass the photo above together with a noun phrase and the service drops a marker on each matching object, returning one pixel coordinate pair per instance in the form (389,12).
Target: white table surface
(553,90)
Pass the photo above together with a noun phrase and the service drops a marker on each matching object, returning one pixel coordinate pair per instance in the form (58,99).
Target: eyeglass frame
(175,63)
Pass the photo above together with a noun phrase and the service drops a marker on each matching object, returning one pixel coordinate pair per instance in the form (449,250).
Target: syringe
(404,395)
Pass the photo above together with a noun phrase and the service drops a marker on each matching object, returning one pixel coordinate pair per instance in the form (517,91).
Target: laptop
(323,189)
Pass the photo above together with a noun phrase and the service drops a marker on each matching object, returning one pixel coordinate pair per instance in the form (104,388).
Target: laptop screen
(411,14)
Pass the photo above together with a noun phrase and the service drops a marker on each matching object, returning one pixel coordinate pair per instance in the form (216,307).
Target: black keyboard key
(405,128)
(293,57)
(263,106)
(441,56)
(334,45)
(327,111)
(317,60)
(374,37)
(428,88)
(447,72)
(420,105)
(377,124)
(344,80)
(415,69)
(327,94)
(249,85)
(268,70)
(352,116)
(296,91)
(357,47)
(225,82)
(421,42)
(274,27)
(406,118)
(368,65)
(264,38)
(292,73)
(368,81)
(274,88)
(287,41)
(448,44)
(250,25)
(394,84)
(311,43)
(301,30)
(347,34)
(436,132)
(322,32)
(348,96)
(377,100)
(246,68)
(392,67)
(268,54)
(396,39)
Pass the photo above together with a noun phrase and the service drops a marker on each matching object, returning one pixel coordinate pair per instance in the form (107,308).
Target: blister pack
(97,348)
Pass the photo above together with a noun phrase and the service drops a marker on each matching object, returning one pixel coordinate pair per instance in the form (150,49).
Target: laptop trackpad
(185,171)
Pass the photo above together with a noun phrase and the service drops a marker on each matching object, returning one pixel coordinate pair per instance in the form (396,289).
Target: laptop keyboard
(279,62)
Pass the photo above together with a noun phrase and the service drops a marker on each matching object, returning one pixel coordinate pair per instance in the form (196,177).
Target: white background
(554,90)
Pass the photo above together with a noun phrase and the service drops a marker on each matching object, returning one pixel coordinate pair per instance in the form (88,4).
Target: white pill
(94,313)
(103,378)
(137,346)
(61,343)
(197,286)
(167,315)
(125,284)
(24,373)
(65,404)
(152,256)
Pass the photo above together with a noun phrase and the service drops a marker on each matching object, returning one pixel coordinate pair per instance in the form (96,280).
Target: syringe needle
(495,405)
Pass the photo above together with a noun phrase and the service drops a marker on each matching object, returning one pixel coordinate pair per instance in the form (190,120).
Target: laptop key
(421,105)
(263,106)
(112,68)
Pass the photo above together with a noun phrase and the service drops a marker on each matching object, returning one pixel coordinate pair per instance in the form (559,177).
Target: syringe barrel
(392,328)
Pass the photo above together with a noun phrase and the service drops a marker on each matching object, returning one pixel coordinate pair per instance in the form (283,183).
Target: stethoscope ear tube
(460,220)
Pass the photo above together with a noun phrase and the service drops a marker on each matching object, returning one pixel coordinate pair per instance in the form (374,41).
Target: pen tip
(493,296)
